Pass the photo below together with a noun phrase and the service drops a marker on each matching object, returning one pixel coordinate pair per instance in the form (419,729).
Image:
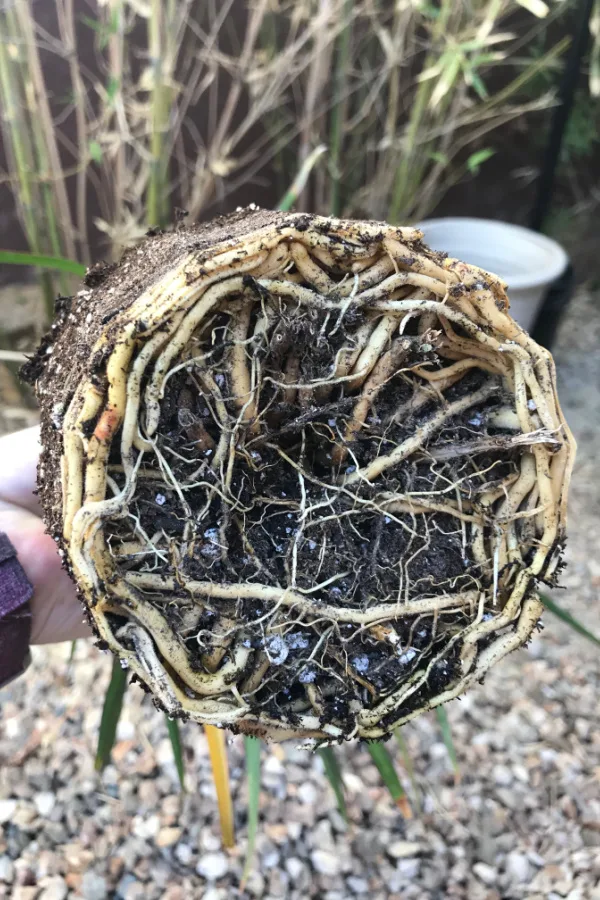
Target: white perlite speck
(277,649)
(360,663)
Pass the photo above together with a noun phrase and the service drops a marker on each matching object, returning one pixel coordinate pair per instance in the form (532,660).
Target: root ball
(306,473)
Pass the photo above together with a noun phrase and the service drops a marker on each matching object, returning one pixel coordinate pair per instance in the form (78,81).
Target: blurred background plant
(119,115)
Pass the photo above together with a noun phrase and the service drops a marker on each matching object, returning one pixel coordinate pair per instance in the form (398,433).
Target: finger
(19,454)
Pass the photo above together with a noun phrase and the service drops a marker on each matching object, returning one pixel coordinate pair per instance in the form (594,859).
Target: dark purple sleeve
(15,615)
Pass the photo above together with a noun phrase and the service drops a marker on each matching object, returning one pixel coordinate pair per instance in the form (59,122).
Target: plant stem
(218,757)
(252,748)
(155,203)
(68,32)
(406,180)
(338,113)
(15,131)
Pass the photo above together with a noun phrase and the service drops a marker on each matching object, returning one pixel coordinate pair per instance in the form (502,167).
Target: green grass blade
(252,747)
(111,713)
(299,182)
(175,736)
(387,770)
(443,722)
(335,778)
(557,610)
(57,263)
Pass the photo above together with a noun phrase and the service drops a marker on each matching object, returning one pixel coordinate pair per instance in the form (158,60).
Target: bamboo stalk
(338,114)
(155,202)
(18,145)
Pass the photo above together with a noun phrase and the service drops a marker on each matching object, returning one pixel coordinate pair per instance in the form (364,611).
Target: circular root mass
(305,472)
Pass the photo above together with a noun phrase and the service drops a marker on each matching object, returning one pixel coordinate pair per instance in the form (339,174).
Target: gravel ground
(523,821)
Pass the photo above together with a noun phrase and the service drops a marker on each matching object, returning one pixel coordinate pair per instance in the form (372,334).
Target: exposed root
(310,479)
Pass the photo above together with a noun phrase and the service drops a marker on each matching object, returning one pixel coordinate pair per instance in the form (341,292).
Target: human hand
(57,614)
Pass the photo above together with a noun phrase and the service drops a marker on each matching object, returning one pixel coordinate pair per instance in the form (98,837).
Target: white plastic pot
(527,261)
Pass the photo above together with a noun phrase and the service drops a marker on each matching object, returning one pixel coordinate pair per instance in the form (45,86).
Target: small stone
(7,810)
(209,842)
(124,884)
(366,847)
(125,730)
(357,885)
(136,891)
(255,885)
(48,864)
(166,837)
(307,793)
(44,803)
(184,854)
(25,892)
(502,775)
(7,870)
(294,868)
(24,816)
(146,828)
(325,863)
(214,894)
(93,887)
(408,869)
(77,858)
(55,889)
(294,830)
(518,867)
(212,866)
(115,867)
(402,849)
(485,873)
(590,837)
(174,892)
(270,860)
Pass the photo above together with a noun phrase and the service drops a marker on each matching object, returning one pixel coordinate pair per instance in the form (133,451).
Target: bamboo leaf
(112,89)
(175,737)
(476,160)
(252,747)
(478,85)
(531,71)
(447,79)
(220,768)
(439,157)
(334,775)
(387,770)
(443,722)
(95,151)
(57,263)
(557,610)
(111,713)
(537,7)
